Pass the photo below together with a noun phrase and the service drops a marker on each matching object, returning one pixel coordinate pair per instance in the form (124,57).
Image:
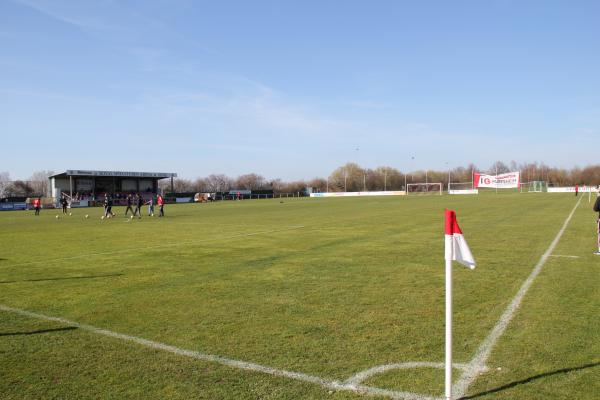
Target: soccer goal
(424,188)
(461,188)
(533,187)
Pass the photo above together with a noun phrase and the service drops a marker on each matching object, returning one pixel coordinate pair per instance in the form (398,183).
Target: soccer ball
(131,217)
(86,216)
(70,214)
(57,217)
(102,217)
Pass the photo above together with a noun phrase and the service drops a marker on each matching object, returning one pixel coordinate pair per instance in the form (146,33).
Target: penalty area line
(237,364)
(485,349)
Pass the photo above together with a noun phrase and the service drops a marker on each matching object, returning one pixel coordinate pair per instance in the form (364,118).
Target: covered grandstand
(87,185)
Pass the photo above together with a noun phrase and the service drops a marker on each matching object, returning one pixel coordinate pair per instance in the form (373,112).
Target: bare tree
(347,178)
(318,184)
(200,185)
(499,167)
(19,189)
(181,185)
(218,183)
(4,182)
(292,187)
(39,182)
(250,181)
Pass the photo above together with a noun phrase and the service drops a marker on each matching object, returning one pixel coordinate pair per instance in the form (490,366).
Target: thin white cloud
(66,14)
(243,102)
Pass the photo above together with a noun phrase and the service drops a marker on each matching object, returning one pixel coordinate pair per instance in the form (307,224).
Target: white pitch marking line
(299,376)
(363,375)
(158,246)
(485,349)
(563,255)
(476,365)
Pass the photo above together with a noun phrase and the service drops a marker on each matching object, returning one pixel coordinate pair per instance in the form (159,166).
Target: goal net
(533,186)
(424,188)
(461,188)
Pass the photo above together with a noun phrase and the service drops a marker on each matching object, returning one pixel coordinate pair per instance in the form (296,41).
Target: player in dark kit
(139,202)
(129,199)
(64,203)
(597,209)
(108,203)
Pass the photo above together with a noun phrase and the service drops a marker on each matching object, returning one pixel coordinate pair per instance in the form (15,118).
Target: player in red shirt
(160,202)
(36,205)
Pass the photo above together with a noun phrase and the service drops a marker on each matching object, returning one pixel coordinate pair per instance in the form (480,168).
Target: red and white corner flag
(456,250)
(456,245)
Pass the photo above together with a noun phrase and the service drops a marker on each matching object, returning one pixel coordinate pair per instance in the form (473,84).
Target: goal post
(435,188)
(533,187)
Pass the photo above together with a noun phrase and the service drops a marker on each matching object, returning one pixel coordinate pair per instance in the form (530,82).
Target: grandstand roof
(116,174)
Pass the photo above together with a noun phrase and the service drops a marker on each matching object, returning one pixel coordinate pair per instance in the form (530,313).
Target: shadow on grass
(63,278)
(531,379)
(68,328)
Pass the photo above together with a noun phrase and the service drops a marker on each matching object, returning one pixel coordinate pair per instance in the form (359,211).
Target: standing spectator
(160,201)
(576,190)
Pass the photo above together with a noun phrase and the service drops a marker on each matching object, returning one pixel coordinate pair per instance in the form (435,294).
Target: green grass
(326,287)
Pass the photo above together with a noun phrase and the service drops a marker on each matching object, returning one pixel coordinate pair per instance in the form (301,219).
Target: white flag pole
(448,363)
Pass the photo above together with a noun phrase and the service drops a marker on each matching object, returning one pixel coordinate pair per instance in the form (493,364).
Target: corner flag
(456,250)
(456,245)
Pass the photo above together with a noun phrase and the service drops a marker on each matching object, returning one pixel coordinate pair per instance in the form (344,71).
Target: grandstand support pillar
(71,186)
(172,191)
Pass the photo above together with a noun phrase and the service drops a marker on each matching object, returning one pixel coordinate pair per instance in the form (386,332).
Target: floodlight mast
(345,178)
(385,180)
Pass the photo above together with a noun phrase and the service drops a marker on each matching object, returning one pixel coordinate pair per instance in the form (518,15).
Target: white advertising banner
(501,181)
(354,194)
(463,191)
(571,189)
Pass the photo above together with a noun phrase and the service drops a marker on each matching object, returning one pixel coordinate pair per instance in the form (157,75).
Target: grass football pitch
(300,299)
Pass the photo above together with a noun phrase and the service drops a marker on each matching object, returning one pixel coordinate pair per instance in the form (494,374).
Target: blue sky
(292,89)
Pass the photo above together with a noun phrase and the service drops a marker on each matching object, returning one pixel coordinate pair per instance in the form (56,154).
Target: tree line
(350,177)
(36,185)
